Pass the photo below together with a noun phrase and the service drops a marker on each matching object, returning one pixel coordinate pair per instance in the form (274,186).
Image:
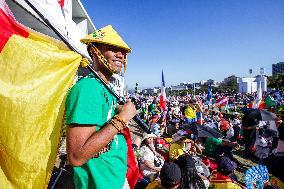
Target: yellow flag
(35,75)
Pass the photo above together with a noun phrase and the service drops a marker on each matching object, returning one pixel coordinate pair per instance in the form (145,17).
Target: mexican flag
(36,72)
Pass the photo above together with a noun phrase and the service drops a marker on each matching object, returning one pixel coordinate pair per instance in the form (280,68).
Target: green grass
(244,165)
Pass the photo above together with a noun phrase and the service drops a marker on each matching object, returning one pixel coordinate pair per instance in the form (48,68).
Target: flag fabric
(61,3)
(257,103)
(163,97)
(199,118)
(269,101)
(219,181)
(222,101)
(36,72)
(209,93)
(132,167)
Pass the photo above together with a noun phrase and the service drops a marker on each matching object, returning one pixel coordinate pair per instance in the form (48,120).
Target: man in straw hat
(95,146)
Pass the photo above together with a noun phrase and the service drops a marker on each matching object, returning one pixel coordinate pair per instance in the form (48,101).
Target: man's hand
(127,111)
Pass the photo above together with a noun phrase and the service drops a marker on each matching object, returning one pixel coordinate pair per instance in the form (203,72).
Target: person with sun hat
(96,145)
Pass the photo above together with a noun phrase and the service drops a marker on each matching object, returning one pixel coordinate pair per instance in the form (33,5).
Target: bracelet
(115,124)
(118,118)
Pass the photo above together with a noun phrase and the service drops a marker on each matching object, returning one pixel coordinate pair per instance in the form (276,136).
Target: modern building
(278,68)
(251,84)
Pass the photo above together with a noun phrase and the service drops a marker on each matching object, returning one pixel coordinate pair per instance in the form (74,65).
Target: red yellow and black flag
(36,72)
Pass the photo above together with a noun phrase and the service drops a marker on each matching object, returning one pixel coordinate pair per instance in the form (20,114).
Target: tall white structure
(250,84)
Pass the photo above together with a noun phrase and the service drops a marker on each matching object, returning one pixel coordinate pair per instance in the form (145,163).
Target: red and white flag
(163,98)
(221,101)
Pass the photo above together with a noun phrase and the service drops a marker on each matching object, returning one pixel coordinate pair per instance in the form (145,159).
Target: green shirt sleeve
(84,103)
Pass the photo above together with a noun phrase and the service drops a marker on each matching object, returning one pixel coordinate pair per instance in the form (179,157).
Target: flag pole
(120,99)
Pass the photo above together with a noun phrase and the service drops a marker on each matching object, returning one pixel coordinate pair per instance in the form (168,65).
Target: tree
(276,81)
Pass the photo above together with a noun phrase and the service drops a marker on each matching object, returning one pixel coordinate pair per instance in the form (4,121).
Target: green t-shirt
(211,145)
(89,103)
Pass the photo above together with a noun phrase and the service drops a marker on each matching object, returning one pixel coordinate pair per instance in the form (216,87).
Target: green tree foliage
(276,81)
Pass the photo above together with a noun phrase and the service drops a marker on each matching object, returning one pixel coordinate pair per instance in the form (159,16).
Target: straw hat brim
(128,50)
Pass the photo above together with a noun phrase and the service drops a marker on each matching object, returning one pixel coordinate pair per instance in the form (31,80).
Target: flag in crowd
(258,99)
(269,101)
(222,101)
(163,97)
(31,118)
(209,93)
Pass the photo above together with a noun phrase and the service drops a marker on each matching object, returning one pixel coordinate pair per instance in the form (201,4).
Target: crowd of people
(194,142)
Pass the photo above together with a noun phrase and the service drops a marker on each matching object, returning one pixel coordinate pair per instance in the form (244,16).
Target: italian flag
(36,72)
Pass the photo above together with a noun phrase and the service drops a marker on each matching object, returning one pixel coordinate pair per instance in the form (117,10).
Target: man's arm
(83,143)
(234,145)
(149,164)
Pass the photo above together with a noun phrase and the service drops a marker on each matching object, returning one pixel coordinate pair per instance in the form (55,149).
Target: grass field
(244,165)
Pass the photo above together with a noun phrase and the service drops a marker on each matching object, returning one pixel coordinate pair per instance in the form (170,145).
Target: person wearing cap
(221,178)
(95,146)
(170,177)
(151,160)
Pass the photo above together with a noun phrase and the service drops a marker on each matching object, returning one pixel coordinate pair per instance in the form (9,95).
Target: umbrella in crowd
(202,131)
(262,115)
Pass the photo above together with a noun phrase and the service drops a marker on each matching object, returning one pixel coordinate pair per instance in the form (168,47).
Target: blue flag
(209,94)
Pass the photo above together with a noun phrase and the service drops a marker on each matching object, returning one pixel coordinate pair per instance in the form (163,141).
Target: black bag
(157,162)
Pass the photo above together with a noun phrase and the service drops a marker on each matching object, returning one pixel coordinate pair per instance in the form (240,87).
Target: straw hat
(106,35)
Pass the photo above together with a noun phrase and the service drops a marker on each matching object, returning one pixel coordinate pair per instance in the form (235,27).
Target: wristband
(118,118)
(115,124)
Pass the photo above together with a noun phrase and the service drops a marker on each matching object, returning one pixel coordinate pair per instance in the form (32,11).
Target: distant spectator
(190,113)
(152,107)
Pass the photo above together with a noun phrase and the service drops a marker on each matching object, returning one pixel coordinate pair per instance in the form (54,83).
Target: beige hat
(106,35)
(151,135)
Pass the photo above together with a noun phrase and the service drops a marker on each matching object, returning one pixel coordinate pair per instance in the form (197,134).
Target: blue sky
(193,40)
